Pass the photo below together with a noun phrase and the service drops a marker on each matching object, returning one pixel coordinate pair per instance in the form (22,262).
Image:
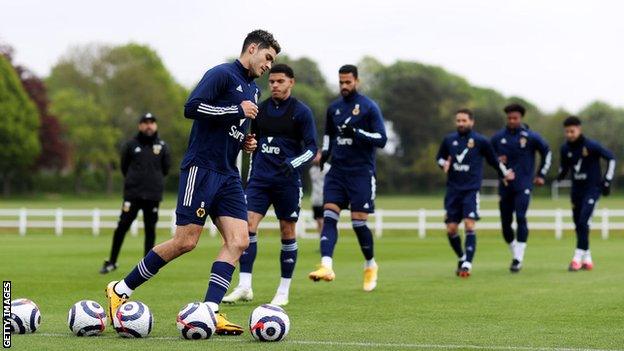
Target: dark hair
(515,108)
(466,111)
(572,121)
(346,69)
(264,40)
(283,68)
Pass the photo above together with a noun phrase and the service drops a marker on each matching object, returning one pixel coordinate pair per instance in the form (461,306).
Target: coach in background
(516,146)
(145,161)
(582,156)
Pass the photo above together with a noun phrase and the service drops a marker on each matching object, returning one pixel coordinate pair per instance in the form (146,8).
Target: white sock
(370,263)
(213,306)
(284,286)
(512,247)
(463,258)
(122,288)
(327,262)
(244,280)
(587,257)
(467,264)
(578,255)
(519,251)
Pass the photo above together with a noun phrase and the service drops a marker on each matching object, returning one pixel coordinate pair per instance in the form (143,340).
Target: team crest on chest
(356,110)
(523,142)
(470,143)
(157,148)
(585,151)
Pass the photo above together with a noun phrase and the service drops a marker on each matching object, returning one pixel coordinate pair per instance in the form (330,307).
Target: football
(133,320)
(269,323)
(86,318)
(196,321)
(25,316)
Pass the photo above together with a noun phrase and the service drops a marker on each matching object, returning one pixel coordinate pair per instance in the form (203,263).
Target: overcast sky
(555,53)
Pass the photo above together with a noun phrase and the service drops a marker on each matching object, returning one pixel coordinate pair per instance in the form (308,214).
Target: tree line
(63,133)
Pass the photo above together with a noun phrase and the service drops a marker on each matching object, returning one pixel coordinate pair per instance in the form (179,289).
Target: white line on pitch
(371,344)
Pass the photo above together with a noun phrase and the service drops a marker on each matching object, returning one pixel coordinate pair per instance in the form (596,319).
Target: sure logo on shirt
(344,141)
(269,149)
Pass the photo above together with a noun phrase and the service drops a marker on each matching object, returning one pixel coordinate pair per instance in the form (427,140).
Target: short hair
(466,111)
(264,40)
(515,108)
(572,121)
(283,68)
(346,69)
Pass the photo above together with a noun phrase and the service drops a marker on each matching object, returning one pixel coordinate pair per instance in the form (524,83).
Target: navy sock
(365,238)
(147,268)
(220,278)
(329,235)
(249,255)
(471,245)
(455,241)
(288,257)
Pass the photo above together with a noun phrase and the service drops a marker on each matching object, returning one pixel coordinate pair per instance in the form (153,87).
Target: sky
(554,53)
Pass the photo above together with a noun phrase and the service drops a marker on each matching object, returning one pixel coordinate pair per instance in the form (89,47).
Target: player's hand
(249,109)
(324,158)
(287,168)
(539,181)
(447,165)
(510,175)
(606,188)
(346,131)
(250,144)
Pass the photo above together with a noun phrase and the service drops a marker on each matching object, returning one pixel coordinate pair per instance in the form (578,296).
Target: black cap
(147,117)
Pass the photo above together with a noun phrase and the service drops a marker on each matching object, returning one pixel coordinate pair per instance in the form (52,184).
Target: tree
(19,126)
(90,134)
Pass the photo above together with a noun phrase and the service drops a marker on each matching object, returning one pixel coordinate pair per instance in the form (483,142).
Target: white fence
(418,221)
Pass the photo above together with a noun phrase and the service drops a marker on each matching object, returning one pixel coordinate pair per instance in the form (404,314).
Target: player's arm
(495,141)
(202,104)
(443,158)
(125,159)
(545,159)
(490,157)
(564,167)
(166,159)
(377,135)
(328,137)
(308,130)
(610,172)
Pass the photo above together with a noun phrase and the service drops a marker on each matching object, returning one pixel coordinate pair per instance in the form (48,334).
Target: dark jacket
(145,161)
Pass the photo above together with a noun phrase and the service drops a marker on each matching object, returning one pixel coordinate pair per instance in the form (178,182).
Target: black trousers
(129,212)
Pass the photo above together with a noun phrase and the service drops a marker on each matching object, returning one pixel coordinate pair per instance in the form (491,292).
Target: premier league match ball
(133,320)
(269,323)
(25,316)
(86,318)
(196,321)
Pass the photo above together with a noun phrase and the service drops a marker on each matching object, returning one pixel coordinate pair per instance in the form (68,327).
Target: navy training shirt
(583,158)
(219,125)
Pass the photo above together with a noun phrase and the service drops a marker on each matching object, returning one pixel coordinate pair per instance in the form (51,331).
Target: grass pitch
(419,303)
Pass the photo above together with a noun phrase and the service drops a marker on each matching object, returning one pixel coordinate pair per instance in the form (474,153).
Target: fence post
(173,222)
(379,223)
(213,229)
(22,221)
(134,228)
(58,222)
(300,226)
(558,223)
(95,224)
(605,223)
(422,223)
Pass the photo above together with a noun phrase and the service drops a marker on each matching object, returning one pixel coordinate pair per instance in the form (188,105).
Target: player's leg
(150,218)
(582,256)
(361,191)
(506,208)
(577,206)
(470,200)
(317,211)
(335,198)
(128,214)
(453,208)
(521,205)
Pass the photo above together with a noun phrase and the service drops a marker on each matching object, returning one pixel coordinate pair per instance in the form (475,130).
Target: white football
(86,318)
(25,316)
(133,320)
(196,321)
(269,323)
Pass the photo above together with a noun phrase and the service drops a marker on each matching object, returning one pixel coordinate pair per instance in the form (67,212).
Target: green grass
(419,303)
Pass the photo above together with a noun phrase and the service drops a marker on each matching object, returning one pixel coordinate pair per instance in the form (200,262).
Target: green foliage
(19,124)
